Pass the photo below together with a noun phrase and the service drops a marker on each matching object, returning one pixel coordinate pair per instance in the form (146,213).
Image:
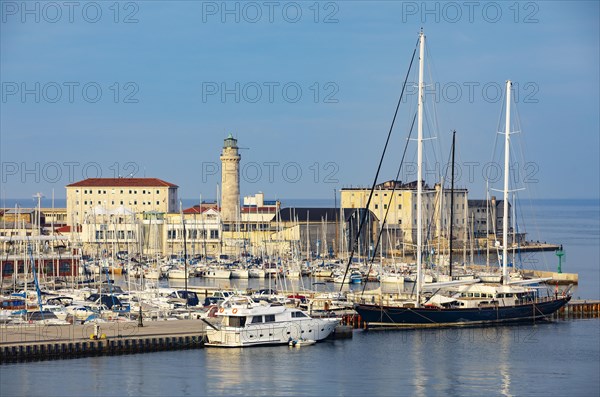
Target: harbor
(299,199)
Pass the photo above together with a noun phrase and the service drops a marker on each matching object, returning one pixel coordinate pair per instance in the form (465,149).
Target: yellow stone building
(134,194)
(400,202)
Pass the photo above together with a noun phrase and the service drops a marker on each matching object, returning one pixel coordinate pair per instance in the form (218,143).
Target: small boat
(301,342)
(239,273)
(217,272)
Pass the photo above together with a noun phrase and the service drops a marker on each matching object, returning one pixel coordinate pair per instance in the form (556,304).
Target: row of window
(269,318)
(8,268)
(110,234)
(120,192)
(192,234)
(85,202)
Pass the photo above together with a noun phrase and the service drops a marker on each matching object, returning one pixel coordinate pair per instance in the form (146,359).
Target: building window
(85,202)
(376,206)
(85,192)
(112,202)
(157,202)
(385,206)
(214,234)
(130,192)
(121,191)
(158,192)
(399,206)
(135,202)
(121,202)
(171,234)
(144,191)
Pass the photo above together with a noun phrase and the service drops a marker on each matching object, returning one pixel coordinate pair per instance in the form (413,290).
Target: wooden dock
(577,309)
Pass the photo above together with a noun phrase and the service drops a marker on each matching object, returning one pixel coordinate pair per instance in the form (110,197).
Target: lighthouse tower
(230,181)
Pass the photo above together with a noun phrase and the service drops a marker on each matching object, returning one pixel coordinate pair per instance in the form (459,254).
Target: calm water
(548,359)
(560,358)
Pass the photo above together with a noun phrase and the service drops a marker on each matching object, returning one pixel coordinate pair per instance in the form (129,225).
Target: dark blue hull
(392,316)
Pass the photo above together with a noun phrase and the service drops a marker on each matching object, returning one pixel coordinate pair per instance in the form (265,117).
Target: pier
(30,342)
(42,342)
(579,309)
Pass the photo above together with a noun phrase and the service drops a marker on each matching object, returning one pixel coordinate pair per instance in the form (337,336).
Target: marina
(341,199)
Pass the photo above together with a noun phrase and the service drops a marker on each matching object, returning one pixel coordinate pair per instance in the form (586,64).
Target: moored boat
(471,304)
(243,322)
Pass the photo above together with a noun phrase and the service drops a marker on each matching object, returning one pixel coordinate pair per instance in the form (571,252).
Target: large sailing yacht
(455,302)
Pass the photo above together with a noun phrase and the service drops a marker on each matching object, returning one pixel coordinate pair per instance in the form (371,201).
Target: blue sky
(309,91)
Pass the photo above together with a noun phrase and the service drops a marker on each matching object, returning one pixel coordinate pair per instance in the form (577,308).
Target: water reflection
(504,361)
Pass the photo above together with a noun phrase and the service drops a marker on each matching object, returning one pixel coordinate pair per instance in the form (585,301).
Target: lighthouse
(230,181)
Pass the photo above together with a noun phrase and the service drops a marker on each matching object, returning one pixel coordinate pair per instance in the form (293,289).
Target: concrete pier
(43,342)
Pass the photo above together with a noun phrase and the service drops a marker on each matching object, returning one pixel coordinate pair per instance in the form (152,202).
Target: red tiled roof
(196,209)
(66,229)
(122,182)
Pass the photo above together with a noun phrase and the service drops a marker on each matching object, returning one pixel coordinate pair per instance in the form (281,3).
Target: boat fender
(221,310)
(234,311)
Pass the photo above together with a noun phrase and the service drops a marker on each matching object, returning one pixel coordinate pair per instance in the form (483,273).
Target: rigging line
(389,202)
(495,148)
(364,215)
(431,67)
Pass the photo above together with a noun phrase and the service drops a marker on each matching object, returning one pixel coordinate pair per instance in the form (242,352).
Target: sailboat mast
(450,243)
(506,180)
(420,171)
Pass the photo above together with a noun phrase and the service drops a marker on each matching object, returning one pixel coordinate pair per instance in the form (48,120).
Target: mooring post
(140,318)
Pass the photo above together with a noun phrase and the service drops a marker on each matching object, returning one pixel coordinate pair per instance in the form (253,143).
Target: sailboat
(473,302)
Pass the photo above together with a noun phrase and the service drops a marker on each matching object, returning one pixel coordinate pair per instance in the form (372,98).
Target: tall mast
(506,180)
(420,166)
(450,247)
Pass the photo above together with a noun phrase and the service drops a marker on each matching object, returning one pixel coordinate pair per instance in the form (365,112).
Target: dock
(28,342)
(579,309)
(31,342)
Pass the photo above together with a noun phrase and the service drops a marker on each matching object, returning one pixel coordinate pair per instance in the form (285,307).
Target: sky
(309,89)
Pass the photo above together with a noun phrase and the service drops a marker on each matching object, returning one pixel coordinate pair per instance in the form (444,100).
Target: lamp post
(560,253)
